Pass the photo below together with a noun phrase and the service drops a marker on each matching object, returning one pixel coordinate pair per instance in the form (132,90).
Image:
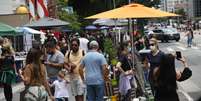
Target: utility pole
(114,4)
(166,6)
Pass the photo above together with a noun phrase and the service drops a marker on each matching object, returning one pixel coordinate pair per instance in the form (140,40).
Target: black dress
(7,71)
(166,93)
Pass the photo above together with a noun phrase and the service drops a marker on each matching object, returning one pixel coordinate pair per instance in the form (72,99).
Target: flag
(32,8)
(42,8)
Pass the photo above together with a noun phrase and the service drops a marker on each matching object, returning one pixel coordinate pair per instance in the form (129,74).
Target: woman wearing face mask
(152,60)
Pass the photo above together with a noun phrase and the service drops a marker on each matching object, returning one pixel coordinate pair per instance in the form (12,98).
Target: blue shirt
(93,62)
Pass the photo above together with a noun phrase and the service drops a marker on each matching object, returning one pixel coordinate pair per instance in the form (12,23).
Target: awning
(133,10)
(46,22)
(7,30)
(29,30)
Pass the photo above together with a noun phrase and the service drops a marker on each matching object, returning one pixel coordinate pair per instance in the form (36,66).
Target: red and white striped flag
(42,8)
(32,8)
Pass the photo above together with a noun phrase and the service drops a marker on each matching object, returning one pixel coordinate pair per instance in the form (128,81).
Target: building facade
(9,6)
(173,5)
(191,7)
(197,8)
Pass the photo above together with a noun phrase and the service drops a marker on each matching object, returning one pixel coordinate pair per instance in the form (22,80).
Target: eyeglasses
(151,44)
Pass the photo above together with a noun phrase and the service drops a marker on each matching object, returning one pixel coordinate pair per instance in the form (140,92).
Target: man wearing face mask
(152,60)
(54,62)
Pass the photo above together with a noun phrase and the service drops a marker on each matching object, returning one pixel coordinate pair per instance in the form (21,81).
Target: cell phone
(178,54)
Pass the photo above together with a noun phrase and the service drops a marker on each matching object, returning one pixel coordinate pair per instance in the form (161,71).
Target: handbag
(186,74)
(34,93)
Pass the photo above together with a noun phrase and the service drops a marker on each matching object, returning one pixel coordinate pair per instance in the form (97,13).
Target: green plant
(110,50)
(72,18)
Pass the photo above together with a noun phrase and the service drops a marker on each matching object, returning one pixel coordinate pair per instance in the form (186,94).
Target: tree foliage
(64,15)
(109,48)
(180,12)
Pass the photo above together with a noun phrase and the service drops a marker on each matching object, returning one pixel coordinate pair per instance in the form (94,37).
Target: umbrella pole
(15,42)
(137,75)
(132,40)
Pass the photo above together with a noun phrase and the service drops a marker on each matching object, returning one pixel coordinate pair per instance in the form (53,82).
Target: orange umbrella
(132,11)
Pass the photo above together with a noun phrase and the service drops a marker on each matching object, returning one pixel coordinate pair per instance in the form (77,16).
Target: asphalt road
(192,86)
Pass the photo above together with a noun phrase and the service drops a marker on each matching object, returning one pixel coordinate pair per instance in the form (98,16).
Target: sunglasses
(151,44)
(74,45)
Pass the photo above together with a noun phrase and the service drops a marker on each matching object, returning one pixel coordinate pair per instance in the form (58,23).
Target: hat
(93,44)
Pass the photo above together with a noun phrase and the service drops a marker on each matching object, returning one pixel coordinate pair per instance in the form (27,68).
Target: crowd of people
(78,66)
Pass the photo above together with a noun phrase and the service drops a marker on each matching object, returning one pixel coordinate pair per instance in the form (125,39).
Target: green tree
(64,15)
(110,50)
(180,12)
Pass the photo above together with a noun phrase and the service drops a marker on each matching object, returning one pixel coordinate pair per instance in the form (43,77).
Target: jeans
(95,92)
(189,41)
(61,99)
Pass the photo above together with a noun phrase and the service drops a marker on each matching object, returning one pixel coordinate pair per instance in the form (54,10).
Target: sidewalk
(19,87)
(16,91)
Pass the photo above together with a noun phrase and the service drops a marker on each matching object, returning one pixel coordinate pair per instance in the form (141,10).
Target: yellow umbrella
(132,11)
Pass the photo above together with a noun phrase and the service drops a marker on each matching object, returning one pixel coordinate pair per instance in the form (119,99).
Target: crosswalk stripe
(193,87)
(170,49)
(182,48)
(198,44)
(193,47)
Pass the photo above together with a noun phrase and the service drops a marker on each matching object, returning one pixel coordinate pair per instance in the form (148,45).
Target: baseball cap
(93,44)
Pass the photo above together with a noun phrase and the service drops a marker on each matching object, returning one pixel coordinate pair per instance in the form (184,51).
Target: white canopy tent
(30,35)
(111,22)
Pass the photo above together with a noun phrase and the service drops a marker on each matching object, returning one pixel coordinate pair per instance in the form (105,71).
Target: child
(61,87)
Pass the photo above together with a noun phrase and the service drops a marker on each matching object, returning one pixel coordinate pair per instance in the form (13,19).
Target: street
(191,86)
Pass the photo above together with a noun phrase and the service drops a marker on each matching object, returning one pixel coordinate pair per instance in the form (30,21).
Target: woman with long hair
(34,77)
(7,69)
(165,78)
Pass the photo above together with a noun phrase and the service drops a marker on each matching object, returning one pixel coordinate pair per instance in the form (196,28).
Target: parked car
(164,34)
(172,33)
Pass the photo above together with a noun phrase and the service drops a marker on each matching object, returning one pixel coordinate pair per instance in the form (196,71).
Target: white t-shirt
(61,89)
(83,44)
